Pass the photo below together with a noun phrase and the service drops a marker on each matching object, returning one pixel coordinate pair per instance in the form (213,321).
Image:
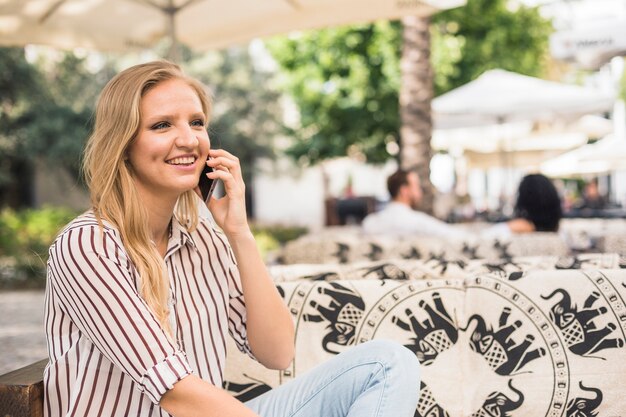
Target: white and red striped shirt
(108,354)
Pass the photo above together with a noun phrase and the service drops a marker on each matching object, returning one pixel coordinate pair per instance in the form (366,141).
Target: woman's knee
(394,355)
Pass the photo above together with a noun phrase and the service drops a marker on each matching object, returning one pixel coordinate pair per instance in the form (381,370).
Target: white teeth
(182,161)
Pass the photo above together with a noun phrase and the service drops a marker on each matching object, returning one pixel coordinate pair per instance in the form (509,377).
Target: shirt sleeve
(92,276)
(432,226)
(237,315)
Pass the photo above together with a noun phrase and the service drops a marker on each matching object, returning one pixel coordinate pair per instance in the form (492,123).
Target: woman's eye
(160,125)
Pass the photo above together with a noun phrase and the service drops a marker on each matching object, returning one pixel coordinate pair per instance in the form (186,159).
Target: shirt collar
(179,236)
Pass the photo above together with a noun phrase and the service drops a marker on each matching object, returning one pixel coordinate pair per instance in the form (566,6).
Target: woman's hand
(229,212)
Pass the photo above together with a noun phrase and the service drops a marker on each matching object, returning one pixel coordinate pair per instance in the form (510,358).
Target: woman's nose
(186,137)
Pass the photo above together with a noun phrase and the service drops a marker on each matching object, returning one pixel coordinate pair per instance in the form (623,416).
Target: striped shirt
(108,354)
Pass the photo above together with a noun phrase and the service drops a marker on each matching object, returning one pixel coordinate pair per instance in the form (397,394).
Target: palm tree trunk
(416,95)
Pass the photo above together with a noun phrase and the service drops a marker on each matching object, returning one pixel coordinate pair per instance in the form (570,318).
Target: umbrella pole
(174,52)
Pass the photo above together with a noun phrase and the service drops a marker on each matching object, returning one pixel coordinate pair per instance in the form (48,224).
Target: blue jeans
(379,378)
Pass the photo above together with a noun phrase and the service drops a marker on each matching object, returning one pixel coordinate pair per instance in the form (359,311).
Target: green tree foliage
(59,120)
(45,115)
(486,34)
(19,83)
(345,81)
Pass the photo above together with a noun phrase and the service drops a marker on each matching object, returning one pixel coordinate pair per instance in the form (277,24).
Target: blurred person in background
(592,199)
(537,209)
(400,216)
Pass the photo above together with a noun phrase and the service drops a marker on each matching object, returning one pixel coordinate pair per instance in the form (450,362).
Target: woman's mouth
(185,160)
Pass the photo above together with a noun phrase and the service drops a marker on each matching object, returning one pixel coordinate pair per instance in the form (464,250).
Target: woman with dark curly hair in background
(537,209)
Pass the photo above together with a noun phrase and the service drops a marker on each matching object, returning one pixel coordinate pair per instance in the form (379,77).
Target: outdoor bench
(21,391)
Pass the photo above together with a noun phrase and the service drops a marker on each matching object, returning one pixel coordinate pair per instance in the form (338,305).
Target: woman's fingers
(225,161)
(233,184)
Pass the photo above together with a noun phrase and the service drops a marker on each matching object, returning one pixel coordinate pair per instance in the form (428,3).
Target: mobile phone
(206,184)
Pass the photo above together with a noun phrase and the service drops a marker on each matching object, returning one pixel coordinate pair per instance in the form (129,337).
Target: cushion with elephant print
(440,267)
(356,248)
(550,343)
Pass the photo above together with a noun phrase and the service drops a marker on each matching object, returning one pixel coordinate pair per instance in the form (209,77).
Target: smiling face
(172,143)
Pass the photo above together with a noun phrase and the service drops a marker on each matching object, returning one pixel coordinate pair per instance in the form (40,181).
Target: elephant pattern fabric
(548,343)
(442,267)
(351,247)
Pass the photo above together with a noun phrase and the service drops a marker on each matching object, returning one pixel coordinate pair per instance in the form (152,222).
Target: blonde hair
(110,178)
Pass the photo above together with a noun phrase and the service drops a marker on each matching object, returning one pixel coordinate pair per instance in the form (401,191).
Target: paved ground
(22,339)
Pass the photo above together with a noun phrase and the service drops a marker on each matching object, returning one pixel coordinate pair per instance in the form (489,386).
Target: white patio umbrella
(522,135)
(519,144)
(601,157)
(120,25)
(611,151)
(499,96)
(525,153)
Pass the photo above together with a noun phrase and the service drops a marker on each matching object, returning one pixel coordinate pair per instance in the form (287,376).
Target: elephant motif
(442,262)
(577,326)
(503,354)
(375,253)
(427,405)
(432,336)
(501,266)
(414,253)
(499,404)
(324,276)
(386,271)
(281,291)
(343,252)
(343,315)
(247,391)
(584,407)
(502,248)
(470,252)
(514,276)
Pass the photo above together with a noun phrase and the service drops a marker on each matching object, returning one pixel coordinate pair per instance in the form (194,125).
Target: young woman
(141,292)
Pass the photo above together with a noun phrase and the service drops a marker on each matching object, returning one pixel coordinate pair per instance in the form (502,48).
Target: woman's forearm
(194,397)
(269,324)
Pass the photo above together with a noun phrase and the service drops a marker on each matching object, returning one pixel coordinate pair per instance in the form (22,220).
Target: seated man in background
(400,216)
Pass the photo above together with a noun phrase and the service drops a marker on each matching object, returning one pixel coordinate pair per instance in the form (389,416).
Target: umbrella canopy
(120,25)
(603,156)
(499,96)
(522,136)
(525,153)
(522,145)
(611,150)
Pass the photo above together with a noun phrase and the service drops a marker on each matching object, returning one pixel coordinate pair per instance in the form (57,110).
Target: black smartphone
(206,184)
